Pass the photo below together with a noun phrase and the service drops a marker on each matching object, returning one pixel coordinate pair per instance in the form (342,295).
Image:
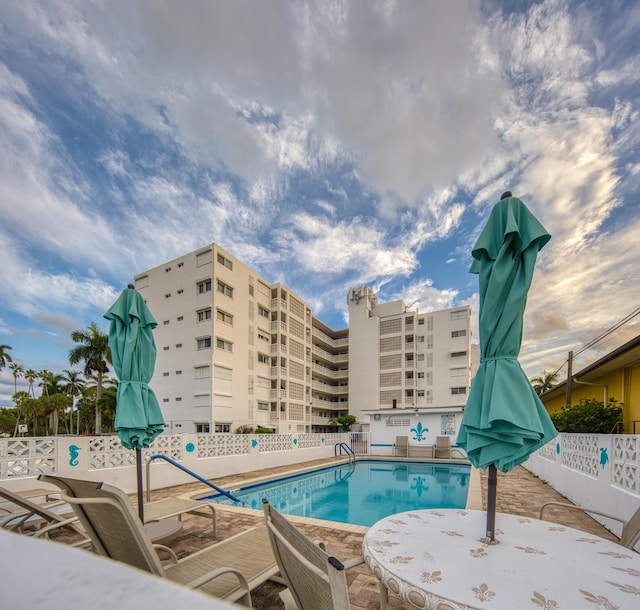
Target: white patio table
(435,559)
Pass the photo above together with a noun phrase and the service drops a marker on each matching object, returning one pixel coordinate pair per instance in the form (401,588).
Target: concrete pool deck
(519,492)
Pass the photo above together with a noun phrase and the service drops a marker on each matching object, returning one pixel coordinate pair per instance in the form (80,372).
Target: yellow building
(616,375)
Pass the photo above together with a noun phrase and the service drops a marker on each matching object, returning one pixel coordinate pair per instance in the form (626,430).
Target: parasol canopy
(504,420)
(133,350)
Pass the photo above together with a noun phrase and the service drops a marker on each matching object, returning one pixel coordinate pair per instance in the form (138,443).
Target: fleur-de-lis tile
(626,588)
(483,593)
(401,559)
(615,555)
(540,600)
(600,600)
(530,550)
(430,577)
(630,571)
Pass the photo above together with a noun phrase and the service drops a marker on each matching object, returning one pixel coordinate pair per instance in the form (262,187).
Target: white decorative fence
(103,458)
(599,471)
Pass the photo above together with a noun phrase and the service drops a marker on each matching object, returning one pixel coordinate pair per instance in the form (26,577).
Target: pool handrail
(160,456)
(347,450)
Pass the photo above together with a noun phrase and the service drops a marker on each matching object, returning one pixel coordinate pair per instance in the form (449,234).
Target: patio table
(435,559)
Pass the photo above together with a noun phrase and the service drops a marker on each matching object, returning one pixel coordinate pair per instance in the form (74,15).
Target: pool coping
(474,493)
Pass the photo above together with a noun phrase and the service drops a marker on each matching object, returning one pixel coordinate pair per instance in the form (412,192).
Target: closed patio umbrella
(504,421)
(133,351)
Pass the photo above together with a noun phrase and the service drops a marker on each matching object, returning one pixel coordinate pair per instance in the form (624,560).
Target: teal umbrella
(133,351)
(504,421)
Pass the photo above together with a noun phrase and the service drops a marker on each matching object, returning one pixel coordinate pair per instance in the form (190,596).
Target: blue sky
(326,145)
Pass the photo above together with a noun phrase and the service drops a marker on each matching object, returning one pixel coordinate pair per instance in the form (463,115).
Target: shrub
(260,430)
(589,415)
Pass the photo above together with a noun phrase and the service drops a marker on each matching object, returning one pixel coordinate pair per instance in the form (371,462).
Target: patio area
(519,493)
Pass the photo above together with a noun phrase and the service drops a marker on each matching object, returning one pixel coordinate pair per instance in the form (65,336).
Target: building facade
(234,350)
(400,358)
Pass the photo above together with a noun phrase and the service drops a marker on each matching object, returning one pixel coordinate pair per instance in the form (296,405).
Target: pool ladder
(160,456)
(344,447)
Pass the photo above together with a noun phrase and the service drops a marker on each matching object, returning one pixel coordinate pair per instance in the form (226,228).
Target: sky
(325,144)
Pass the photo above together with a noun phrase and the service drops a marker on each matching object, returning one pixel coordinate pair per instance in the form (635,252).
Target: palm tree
(5,356)
(17,370)
(47,380)
(73,386)
(543,382)
(94,351)
(19,399)
(30,375)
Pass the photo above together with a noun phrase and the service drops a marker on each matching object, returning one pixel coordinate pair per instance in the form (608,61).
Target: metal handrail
(347,450)
(160,456)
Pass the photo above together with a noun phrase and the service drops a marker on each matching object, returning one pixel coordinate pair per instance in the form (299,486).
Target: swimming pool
(361,493)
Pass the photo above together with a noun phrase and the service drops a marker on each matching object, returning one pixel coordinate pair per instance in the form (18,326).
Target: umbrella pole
(492,486)
(139,478)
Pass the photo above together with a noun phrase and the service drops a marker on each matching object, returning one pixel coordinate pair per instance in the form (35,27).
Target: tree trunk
(98,396)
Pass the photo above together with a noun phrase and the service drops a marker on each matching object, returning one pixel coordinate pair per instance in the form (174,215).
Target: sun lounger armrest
(173,558)
(356,561)
(584,510)
(198,582)
(54,526)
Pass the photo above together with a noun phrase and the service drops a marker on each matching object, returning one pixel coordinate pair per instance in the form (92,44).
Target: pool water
(361,493)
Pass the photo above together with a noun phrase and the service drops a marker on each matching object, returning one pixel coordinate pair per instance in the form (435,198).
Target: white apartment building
(234,349)
(400,358)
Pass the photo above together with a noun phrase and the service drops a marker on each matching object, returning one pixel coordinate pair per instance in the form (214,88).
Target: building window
(178,345)
(225,317)
(223,427)
(263,312)
(167,269)
(180,318)
(204,286)
(461,390)
(180,291)
(165,322)
(263,337)
(166,348)
(204,314)
(263,406)
(225,261)
(178,398)
(420,338)
(167,296)
(456,354)
(202,372)
(420,321)
(420,357)
(458,372)
(180,265)
(178,372)
(264,358)
(225,289)
(250,290)
(420,374)
(227,346)
(204,343)
(165,374)
(460,314)
(420,393)
(203,428)
(458,333)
